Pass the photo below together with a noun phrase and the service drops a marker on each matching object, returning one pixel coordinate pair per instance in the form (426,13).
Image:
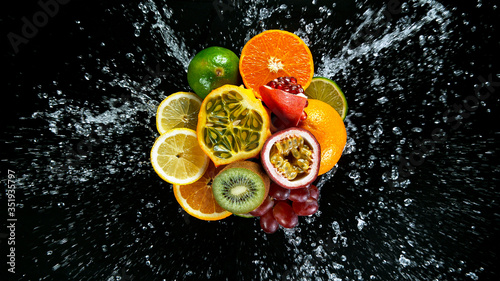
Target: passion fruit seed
(231,127)
(283,147)
(291,156)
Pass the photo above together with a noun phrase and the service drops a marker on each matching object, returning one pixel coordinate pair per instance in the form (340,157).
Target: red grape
(284,214)
(313,190)
(263,208)
(268,223)
(306,208)
(278,192)
(299,194)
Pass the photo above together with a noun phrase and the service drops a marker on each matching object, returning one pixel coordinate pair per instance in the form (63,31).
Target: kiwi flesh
(241,187)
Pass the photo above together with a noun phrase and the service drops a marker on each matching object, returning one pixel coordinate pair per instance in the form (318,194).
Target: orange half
(272,54)
(197,198)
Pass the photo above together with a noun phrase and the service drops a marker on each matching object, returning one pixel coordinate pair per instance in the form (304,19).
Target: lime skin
(212,68)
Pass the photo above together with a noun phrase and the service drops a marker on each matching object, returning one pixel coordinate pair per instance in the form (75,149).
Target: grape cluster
(284,206)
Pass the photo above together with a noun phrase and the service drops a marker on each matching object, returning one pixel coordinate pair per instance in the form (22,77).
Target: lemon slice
(177,158)
(326,90)
(179,110)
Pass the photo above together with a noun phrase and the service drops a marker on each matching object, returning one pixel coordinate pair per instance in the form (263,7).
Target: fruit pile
(252,150)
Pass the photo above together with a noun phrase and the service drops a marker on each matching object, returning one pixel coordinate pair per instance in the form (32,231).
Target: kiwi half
(241,187)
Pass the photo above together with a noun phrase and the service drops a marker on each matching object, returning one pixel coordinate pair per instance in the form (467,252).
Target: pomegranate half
(291,158)
(289,108)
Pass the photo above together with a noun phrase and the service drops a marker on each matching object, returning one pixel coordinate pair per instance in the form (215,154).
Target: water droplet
(378,132)
(309,28)
(408,202)
(404,261)
(361,224)
(382,100)
(472,276)
(397,131)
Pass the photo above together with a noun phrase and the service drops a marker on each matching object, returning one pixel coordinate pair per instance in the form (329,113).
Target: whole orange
(324,122)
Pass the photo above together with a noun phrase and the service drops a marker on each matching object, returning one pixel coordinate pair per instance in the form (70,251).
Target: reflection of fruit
(212,68)
(241,187)
(326,125)
(232,125)
(179,110)
(288,108)
(291,158)
(272,54)
(177,157)
(326,90)
(197,198)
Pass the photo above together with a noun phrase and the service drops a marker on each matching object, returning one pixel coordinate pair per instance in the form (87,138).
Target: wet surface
(414,196)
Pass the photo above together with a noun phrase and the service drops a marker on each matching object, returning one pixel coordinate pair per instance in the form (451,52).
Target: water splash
(88,160)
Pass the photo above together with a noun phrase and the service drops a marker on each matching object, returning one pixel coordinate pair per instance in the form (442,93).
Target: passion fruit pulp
(291,158)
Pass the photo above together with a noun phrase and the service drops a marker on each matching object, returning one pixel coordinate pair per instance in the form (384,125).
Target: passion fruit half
(291,158)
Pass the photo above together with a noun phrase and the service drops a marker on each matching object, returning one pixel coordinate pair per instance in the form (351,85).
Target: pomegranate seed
(303,116)
(288,84)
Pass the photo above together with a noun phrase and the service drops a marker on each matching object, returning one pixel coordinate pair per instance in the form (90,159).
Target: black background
(455,214)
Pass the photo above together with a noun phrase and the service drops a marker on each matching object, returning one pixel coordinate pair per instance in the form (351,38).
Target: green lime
(326,90)
(211,68)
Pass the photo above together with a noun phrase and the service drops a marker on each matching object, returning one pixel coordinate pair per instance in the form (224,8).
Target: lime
(326,90)
(211,68)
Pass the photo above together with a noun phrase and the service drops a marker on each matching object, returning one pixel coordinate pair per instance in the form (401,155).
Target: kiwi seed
(240,187)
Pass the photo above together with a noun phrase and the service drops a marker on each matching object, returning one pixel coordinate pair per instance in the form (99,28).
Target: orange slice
(272,54)
(197,198)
